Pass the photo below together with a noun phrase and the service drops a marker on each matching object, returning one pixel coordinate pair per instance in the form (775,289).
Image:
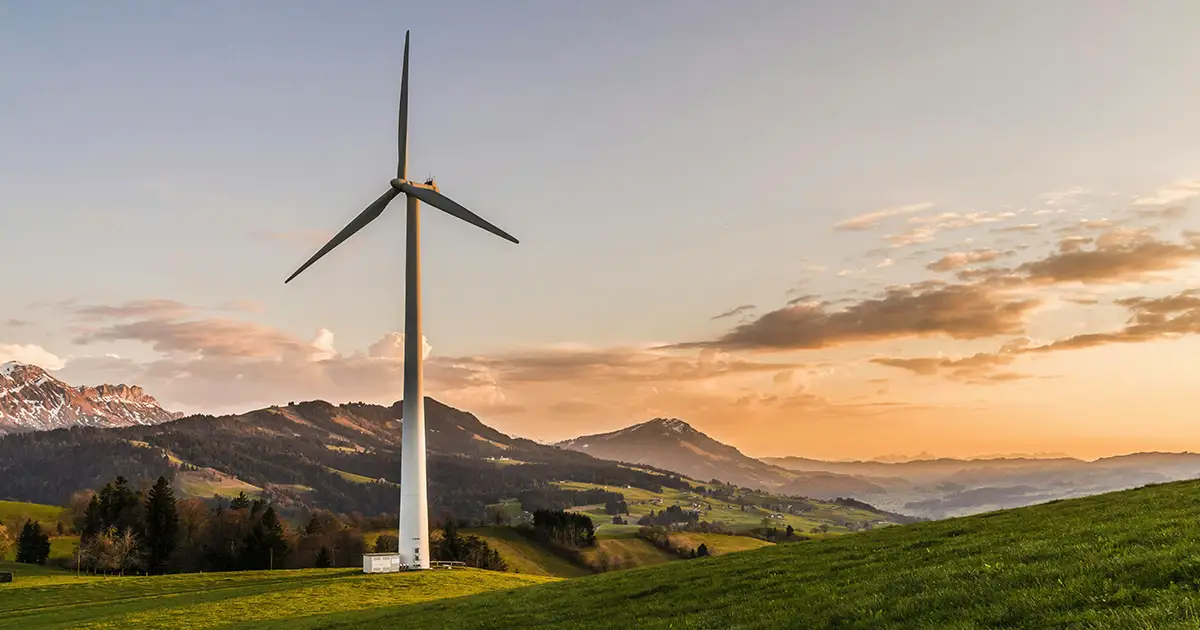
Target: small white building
(381,563)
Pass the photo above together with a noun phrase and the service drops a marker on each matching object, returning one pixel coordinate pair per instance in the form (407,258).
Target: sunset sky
(827,229)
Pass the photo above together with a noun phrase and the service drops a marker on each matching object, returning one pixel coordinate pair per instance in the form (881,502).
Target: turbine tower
(414,508)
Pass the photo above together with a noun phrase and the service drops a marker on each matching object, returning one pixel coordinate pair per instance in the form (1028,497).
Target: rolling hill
(1119,560)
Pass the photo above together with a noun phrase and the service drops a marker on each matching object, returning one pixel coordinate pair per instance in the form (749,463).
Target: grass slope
(719,544)
(207,483)
(13,514)
(525,556)
(1122,560)
(632,552)
(43,598)
(16,511)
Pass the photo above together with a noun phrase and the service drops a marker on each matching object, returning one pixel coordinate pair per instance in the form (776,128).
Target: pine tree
(451,544)
(323,560)
(265,544)
(240,502)
(162,526)
(120,506)
(33,545)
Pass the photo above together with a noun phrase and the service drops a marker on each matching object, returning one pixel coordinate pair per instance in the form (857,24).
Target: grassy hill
(1122,560)
(45,598)
(525,556)
(17,511)
(817,513)
(13,514)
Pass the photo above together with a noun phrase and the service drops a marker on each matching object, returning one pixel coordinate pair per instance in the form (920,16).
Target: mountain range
(340,457)
(32,400)
(312,454)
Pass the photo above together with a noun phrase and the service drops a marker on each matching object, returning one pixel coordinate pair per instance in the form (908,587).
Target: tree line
(672,515)
(124,530)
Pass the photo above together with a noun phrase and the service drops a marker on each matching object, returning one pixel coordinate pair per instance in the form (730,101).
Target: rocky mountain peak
(33,400)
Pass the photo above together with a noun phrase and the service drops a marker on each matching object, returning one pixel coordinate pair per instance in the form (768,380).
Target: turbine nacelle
(399,184)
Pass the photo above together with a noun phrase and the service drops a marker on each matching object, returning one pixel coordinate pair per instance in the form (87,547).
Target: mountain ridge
(673,444)
(33,400)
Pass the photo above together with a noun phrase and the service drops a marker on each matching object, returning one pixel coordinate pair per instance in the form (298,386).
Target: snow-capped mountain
(32,400)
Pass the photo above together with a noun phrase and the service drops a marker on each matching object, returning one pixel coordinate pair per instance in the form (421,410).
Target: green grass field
(206,484)
(1122,560)
(14,514)
(632,552)
(638,500)
(524,556)
(16,511)
(44,598)
(719,544)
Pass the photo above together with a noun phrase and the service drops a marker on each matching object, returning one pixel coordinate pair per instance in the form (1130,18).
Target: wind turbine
(414,508)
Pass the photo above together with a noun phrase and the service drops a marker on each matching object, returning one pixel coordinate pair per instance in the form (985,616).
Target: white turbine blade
(402,127)
(451,207)
(366,216)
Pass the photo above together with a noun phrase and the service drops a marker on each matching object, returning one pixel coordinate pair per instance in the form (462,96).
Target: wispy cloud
(872,220)
(158,308)
(958,260)
(1179,192)
(1061,197)
(926,228)
(735,311)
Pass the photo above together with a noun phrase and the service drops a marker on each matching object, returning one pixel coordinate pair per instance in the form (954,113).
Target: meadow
(1122,560)
(47,598)
(13,514)
(18,512)
(639,501)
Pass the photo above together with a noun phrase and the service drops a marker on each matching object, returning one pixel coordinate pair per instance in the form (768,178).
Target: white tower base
(414,510)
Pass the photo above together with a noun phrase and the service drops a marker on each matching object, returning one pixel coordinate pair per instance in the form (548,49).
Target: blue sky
(660,162)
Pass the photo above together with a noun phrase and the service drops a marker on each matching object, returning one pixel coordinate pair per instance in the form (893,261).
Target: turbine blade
(451,207)
(366,216)
(402,163)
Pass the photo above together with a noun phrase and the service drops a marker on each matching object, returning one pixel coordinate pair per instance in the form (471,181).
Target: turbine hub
(397,183)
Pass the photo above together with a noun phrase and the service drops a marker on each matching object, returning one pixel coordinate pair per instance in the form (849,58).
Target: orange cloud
(871,220)
(958,260)
(207,337)
(135,308)
(969,311)
(1117,256)
(1150,319)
